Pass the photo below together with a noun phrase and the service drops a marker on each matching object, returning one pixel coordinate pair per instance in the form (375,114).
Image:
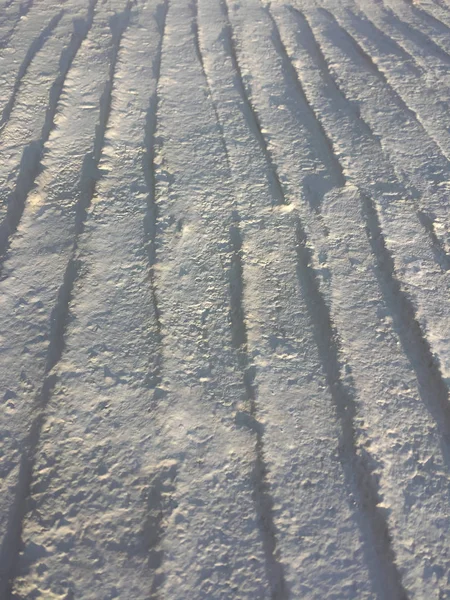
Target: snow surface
(224,299)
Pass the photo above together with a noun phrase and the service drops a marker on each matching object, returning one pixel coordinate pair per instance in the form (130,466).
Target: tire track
(34,48)
(263,500)
(9,553)
(249,111)
(32,154)
(151,219)
(355,461)
(198,51)
(318,134)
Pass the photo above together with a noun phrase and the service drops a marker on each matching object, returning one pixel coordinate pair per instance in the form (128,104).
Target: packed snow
(224,299)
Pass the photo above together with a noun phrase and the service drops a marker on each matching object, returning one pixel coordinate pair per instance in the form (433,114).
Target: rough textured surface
(224,284)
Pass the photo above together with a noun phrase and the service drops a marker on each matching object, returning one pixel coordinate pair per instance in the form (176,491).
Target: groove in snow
(32,154)
(151,218)
(249,112)
(9,552)
(34,48)
(432,387)
(355,461)
(263,499)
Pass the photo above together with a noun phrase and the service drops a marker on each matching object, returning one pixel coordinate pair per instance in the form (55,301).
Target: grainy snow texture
(225,299)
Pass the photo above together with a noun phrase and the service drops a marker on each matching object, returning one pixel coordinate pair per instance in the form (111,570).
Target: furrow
(402,75)
(424,15)
(355,295)
(34,48)
(149,166)
(415,343)
(9,554)
(11,543)
(386,43)
(355,462)
(343,104)
(371,65)
(433,390)
(441,4)
(249,111)
(112,338)
(263,500)
(29,61)
(201,388)
(318,134)
(410,177)
(315,51)
(159,499)
(24,9)
(420,39)
(89,176)
(198,50)
(47,231)
(442,257)
(7,4)
(415,117)
(32,154)
(294,408)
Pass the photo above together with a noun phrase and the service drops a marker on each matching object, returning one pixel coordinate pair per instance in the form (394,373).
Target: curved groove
(198,51)
(318,134)
(249,112)
(10,550)
(355,461)
(432,387)
(32,154)
(263,500)
(36,45)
